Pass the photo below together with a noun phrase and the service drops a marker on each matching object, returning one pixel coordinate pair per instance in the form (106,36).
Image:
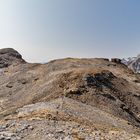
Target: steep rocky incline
(68,99)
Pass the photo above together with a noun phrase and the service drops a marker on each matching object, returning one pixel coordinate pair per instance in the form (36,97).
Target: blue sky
(42,30)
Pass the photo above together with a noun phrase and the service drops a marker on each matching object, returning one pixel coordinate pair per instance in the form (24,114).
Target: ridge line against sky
(42,30)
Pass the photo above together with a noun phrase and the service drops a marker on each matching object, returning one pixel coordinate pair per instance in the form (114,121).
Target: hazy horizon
(43,30)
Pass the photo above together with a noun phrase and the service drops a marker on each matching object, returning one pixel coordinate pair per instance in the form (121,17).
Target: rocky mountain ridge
(133,63)
(68,99)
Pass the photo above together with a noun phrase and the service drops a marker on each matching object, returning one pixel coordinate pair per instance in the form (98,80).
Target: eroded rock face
(9,56)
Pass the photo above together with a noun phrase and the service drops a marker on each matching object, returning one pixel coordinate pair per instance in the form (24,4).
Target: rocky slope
(133,63)
(68,99)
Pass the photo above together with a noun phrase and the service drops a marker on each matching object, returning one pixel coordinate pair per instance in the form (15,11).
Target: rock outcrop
(116,60)
(9,56)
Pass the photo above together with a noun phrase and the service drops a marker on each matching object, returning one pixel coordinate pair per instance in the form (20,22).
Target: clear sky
(42,30)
